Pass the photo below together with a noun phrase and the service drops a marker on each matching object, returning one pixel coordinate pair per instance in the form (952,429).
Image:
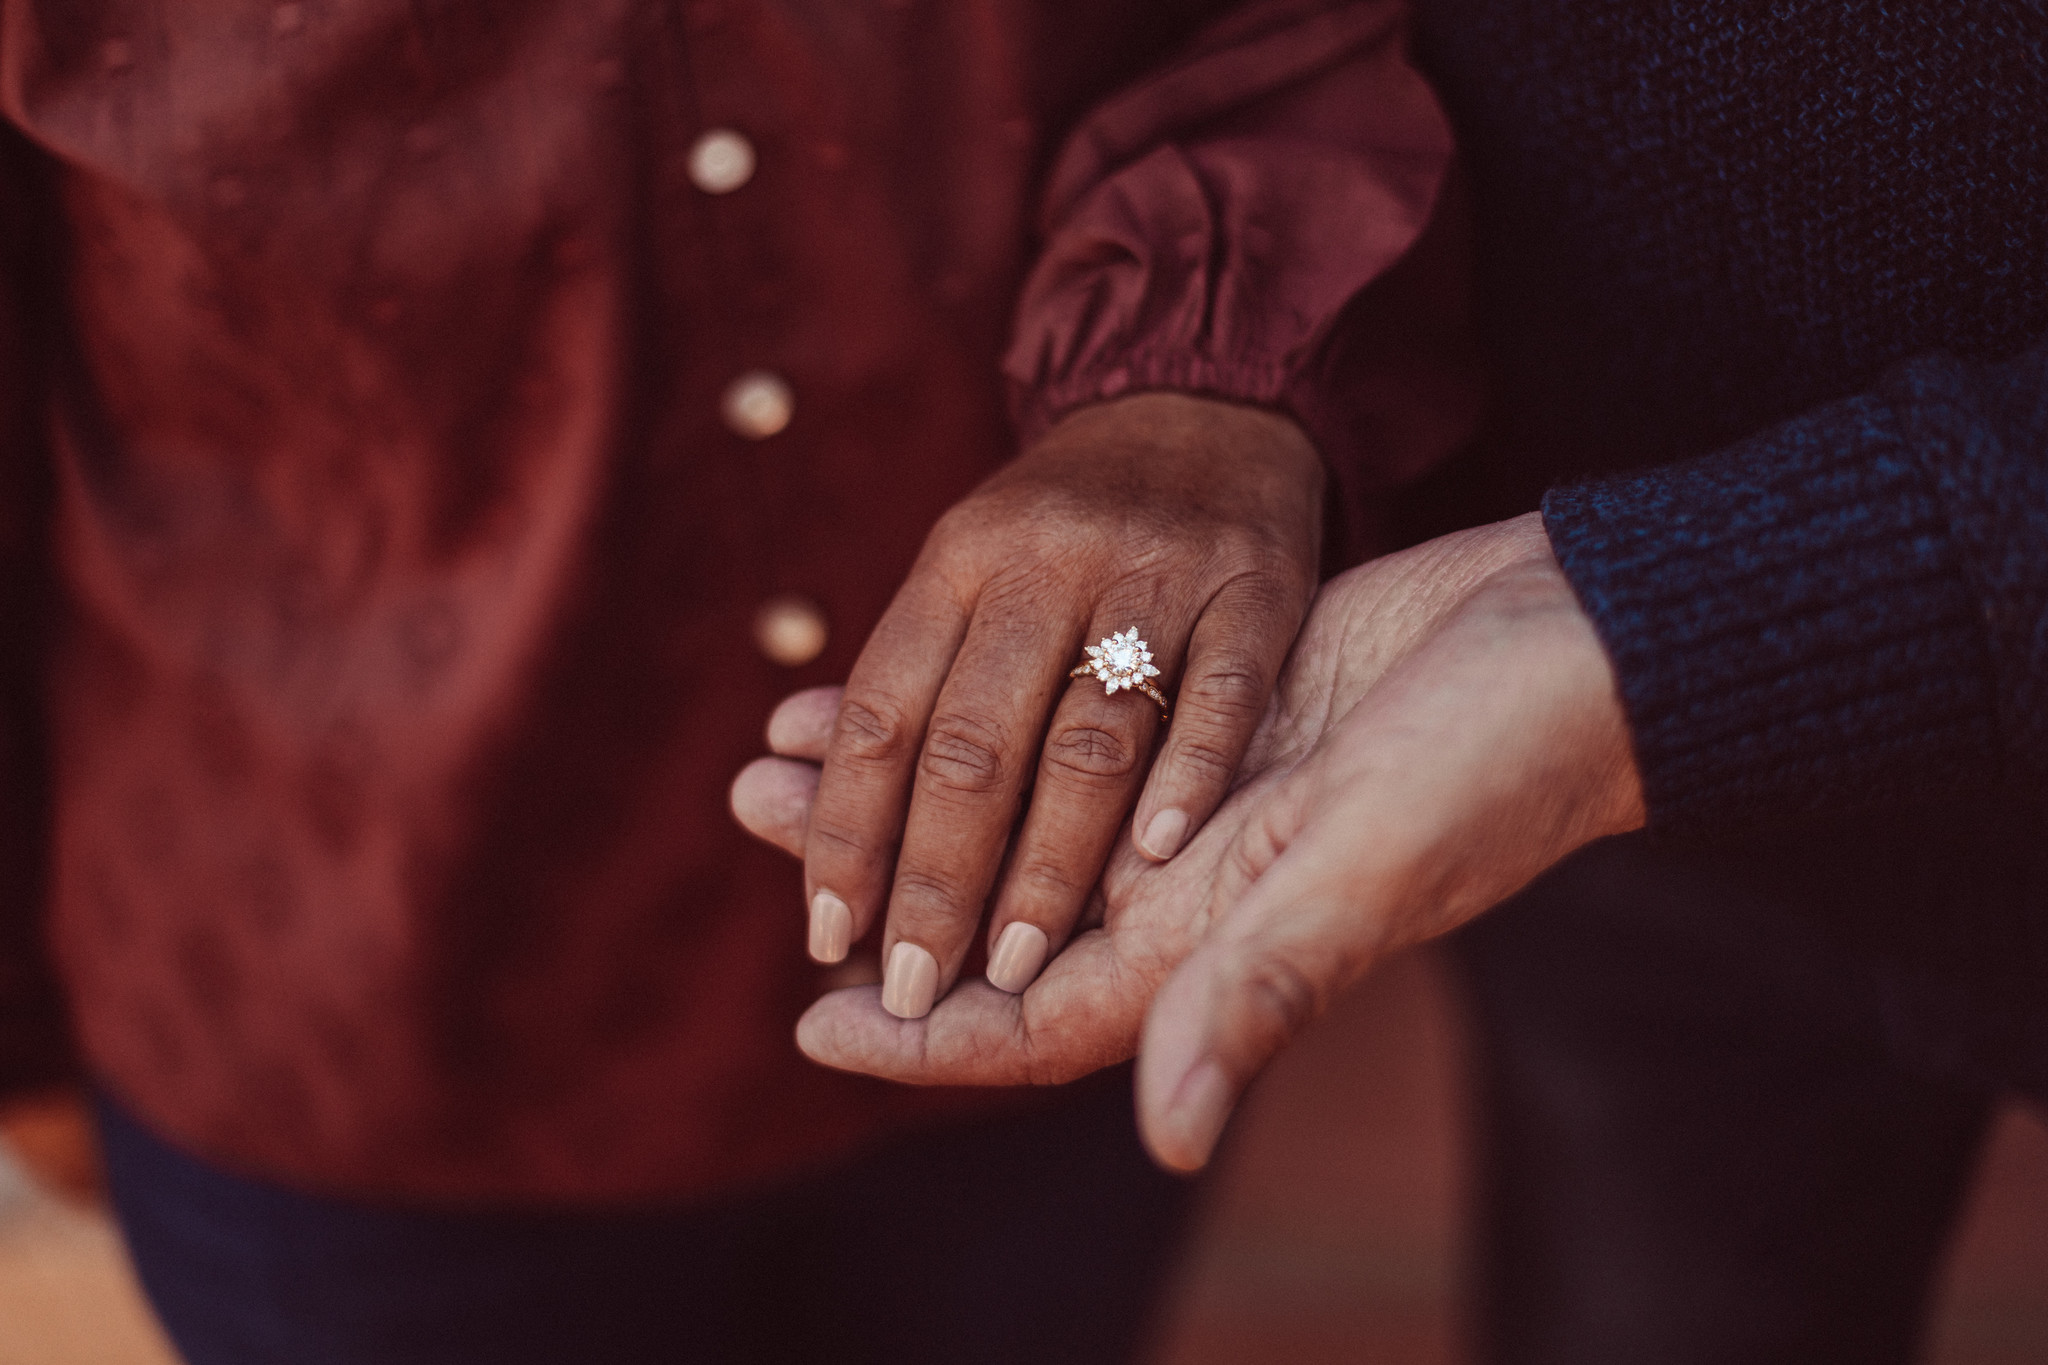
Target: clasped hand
(1446,727)
(1195,521)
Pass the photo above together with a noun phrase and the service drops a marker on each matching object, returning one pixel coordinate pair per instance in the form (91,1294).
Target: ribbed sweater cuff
(1788,622)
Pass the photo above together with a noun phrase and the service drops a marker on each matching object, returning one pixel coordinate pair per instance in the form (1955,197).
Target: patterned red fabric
(408,570)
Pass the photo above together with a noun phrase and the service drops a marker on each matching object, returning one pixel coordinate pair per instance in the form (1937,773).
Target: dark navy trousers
(1732,1098)
(1035,1239)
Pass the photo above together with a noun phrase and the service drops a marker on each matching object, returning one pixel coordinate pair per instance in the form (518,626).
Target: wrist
(1166,437)
(1559,650)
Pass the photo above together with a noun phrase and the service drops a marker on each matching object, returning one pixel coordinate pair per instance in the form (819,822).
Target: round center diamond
(1122,661)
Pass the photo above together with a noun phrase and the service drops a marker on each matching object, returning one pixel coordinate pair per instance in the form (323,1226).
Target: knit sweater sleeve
(1846,611)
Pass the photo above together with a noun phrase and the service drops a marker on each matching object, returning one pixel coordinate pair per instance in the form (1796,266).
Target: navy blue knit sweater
(1800,248)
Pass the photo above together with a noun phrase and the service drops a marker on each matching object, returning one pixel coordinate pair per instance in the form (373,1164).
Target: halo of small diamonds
(1121,661)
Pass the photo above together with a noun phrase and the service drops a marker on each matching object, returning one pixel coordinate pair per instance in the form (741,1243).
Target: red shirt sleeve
(1214,228)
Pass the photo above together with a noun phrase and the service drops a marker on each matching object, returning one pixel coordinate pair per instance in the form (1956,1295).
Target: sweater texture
(1768,281)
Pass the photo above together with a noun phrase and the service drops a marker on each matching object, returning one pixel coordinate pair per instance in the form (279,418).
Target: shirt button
(721,161)
(790,631)
(757,405)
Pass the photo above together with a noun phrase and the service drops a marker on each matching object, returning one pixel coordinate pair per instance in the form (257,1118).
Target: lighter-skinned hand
(1446,728)
(1193,520)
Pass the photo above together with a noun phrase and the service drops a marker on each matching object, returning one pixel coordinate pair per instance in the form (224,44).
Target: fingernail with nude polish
(831,928)
(910,983)
(1195,1119)
(1163,835)
(1020,952)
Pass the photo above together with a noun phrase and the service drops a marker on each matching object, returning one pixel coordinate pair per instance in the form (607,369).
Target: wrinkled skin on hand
(1446,728)
(1197,522)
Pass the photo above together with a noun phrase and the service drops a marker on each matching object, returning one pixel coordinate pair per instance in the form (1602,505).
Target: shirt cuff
(1789,625)
(1256,382)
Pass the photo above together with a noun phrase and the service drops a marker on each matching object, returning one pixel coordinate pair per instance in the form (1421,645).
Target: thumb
(1270,967)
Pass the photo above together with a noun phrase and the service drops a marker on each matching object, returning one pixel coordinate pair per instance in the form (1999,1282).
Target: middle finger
(977,758)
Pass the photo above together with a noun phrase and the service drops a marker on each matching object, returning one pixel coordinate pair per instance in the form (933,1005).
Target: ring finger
(1089,772)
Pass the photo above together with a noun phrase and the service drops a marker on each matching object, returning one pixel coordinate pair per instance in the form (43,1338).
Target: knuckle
(1040,881)
(923,891)
(1268,586)
(1281,998)
(1249,857)
(1019,600)
(1028,526)
(964,527)
(1089,751)
(955,526)
(1206,763)
(830,840)
(1243,553)
(1015,605)
(870,730)
(1229,684)
(963,754)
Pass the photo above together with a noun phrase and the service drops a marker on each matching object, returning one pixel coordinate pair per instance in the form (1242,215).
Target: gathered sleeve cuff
(1205,231)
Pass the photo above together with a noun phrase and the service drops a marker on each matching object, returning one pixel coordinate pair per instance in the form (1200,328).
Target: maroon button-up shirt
(397,561)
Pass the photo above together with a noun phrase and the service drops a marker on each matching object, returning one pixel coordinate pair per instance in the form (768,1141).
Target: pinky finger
(1234,659)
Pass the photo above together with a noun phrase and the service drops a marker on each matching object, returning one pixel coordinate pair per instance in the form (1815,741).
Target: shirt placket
(735,179)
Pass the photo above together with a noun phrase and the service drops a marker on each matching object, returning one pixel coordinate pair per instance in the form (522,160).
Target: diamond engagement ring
(1122,661)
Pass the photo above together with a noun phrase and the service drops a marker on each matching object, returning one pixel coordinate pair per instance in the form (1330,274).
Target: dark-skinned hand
(1193,520)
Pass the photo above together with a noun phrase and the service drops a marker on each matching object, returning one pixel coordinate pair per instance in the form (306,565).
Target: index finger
(864,790)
